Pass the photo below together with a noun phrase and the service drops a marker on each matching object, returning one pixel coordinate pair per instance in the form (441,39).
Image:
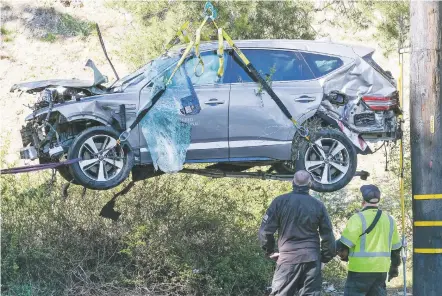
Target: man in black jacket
(297,216)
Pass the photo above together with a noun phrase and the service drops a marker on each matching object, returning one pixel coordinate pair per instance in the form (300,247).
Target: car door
(257,127)
(210,124)
(202,103)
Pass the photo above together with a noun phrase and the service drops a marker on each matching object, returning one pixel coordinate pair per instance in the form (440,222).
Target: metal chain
(51,182)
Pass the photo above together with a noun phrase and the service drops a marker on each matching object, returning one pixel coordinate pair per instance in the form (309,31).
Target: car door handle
(305,98)
(214,101)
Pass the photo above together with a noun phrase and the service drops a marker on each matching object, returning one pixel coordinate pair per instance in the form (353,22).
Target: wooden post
(426,145)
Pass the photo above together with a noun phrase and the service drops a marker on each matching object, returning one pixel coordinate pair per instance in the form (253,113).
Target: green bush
(156,22)
(47,23)
(178,233)
(6,34)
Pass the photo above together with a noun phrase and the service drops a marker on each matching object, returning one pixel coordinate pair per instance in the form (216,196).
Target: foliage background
(179,234)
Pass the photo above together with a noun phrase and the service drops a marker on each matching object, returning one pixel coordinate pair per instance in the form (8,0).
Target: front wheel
(329,157)
(104,164)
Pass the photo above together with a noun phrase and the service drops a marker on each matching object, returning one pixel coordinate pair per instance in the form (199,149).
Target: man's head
(302,178)
(371,195)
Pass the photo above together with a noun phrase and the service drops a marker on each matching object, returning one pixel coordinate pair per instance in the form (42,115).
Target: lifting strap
(220,53)
(180,34)
(38,167)
(180,62)
(250,69)
(197,48)
(254,74)
(373,224)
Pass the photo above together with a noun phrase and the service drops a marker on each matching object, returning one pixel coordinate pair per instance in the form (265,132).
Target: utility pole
(426,145)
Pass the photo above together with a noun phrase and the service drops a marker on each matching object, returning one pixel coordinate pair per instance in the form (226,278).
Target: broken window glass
(168,136)
(148,71)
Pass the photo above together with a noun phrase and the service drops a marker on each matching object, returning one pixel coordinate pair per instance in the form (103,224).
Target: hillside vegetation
(178,234)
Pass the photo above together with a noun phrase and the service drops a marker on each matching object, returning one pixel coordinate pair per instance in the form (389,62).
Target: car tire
(339,168)
(104,165)
(65,173)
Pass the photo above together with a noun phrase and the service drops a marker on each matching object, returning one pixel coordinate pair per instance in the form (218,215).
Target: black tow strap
(252,71)
(254,74)
(373,224)
(140,116)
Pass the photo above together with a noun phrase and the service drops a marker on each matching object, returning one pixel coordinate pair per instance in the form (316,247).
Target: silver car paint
(258,128)
(101,108)
(209,127)
(240,127)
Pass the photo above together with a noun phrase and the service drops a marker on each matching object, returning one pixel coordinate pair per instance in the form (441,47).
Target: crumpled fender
(356,79)
(353,136)
(102,108)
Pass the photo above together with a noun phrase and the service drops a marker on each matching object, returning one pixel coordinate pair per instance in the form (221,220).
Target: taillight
(379,103)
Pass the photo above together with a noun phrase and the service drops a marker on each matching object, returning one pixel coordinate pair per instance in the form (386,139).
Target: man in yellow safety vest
(371,244)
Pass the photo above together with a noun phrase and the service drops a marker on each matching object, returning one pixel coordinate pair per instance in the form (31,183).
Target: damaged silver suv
(337,92)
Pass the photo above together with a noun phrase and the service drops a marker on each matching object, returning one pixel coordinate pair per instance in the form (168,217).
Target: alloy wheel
(102,159)
(327,160)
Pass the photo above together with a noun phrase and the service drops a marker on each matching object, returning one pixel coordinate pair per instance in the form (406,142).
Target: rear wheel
(104,164)
(330,158)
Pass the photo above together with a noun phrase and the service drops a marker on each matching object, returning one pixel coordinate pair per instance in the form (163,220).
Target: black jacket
(299,219)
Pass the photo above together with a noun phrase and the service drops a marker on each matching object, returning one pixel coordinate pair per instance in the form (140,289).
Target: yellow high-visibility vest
(370,252)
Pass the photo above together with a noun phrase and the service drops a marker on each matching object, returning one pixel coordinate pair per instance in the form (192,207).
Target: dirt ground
(26,55)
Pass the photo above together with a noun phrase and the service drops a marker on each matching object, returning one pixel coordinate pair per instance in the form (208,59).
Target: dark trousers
(366,284)
(304,278)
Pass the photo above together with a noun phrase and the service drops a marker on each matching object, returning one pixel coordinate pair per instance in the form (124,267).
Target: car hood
(35,86)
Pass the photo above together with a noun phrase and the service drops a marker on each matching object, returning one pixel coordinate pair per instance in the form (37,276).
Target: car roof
(318,46)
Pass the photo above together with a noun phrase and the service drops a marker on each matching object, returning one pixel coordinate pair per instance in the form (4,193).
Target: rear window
(281,65)
(322,64)
(371,62)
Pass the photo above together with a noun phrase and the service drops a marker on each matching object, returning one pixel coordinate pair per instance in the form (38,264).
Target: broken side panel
(358,79)
(361,84)
(179,118)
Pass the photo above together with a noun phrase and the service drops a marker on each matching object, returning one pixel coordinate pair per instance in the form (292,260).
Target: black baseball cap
(371,193)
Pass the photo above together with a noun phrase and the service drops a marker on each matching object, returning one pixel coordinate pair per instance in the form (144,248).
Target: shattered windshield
(148,71)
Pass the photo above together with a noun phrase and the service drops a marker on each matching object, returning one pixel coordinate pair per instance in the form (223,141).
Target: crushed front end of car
(46,134)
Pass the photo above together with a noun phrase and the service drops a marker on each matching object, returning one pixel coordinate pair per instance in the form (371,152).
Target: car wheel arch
(299,156)
(90,118)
